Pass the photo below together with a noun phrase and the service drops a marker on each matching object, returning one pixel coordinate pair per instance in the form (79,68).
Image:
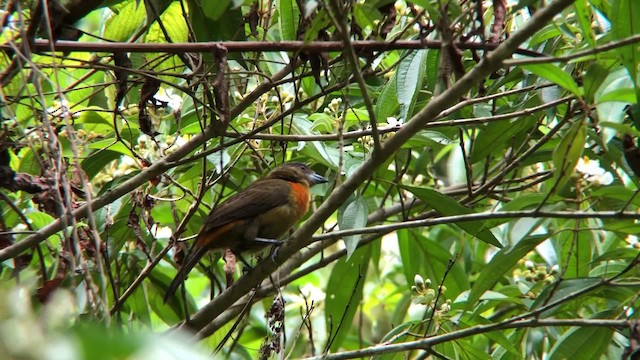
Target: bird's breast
(277,221)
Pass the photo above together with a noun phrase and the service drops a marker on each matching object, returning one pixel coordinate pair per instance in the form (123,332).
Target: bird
(254,217)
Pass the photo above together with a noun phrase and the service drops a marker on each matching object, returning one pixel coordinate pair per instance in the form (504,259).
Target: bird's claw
(274,252)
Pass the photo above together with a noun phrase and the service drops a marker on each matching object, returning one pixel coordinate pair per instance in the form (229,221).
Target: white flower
(174,101)
(161,232)
(393,122)
(592,172)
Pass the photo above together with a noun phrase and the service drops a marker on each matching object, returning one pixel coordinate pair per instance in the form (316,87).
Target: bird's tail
(190,262)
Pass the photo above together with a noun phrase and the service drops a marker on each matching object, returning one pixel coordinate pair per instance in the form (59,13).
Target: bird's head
(298,173)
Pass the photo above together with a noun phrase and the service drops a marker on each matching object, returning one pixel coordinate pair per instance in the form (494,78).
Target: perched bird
(254,217)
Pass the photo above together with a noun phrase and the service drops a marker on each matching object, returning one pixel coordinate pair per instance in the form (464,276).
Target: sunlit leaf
(448,207)
(353,215)
(556,75)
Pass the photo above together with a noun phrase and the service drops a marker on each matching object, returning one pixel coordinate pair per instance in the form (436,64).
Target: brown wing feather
(260,197)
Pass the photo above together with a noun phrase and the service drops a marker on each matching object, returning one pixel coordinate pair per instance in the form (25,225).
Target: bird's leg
(245,263)
(268,241)
(229,266)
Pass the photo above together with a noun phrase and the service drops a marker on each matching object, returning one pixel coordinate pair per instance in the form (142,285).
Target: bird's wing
(260,197)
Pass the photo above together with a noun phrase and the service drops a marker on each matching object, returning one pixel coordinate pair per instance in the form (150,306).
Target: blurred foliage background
(482,160)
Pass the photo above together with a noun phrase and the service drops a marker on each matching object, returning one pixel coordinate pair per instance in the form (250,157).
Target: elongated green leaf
(620,95)
(625,15)
(353,215)
(584,14)
(409,81)
(344,293)
(566,155)
(556,75)
(411,254)
(595,76)
(495,136)
(289,14)
(501,262)
(448,206)
(518,203)
(387,103)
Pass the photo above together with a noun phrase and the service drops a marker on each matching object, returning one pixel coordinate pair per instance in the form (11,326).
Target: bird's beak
(316,179)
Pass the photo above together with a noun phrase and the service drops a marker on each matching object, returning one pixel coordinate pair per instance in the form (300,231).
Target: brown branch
(249,46)
(474,330)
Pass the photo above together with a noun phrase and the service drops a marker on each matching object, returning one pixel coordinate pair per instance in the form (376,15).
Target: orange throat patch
(300,195)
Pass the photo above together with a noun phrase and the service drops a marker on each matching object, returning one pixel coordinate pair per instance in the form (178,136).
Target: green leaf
(353,215)
(594,77)
(518,203)
(344,293)
(556,75)
(495,135)
(588,343)
(213,9)
(497,337)
(619,95)
(177,31)
(387,103)
(29,162)
(209,24)
(39,219)
(584,14)
(122,25)
(448,206)
(97,162)
(409,81)
(289,15)
(566,155)
(411,254)
(576,248)
(566,288)
(624,16)
(500,263)
(156,8)
(110,145)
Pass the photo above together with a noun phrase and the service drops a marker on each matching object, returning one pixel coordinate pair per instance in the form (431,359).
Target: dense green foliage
(477,207)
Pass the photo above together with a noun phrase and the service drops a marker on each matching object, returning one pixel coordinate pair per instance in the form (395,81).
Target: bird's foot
(269,241)
(274,252)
